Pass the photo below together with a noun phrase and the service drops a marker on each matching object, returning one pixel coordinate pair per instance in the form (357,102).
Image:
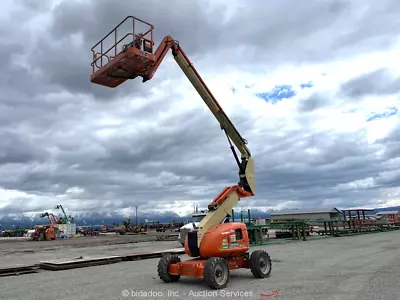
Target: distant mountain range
(87,219)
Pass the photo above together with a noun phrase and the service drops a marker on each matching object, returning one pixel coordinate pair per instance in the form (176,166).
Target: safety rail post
(115,42)
(101,51)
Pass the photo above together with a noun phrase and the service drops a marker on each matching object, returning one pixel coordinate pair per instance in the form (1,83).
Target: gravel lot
(359,267)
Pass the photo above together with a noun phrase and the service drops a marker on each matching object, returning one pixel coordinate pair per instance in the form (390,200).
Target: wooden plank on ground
(65,264)
(18,270)
(80,262)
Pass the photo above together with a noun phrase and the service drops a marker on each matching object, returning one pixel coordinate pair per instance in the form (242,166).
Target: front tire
(163,265)
(260,264)
(216,273)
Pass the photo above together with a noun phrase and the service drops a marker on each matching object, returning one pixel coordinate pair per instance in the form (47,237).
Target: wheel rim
(264,265)
(220,274)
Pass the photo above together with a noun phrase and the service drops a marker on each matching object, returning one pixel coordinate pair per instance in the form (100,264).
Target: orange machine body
(195,267)
(50,233)
(223,240)
(228,240)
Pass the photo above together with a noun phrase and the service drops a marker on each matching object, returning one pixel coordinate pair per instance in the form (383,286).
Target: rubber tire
(209,271)
(163,265)
(255,264)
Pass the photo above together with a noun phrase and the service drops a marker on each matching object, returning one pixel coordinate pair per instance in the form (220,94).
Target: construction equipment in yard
(17,232)
(129,227)
(44,233)
(59,206)
(50,216)
(216,248)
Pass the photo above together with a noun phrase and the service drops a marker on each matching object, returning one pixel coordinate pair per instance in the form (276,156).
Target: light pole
(136,216)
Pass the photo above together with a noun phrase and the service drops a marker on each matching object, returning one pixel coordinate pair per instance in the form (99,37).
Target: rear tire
(216,273)
(163,265)
(260,264)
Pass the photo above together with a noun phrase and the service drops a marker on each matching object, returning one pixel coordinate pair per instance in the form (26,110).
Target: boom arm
(222,205)
(138,59)
(50,216)
(59,206)
(246,178)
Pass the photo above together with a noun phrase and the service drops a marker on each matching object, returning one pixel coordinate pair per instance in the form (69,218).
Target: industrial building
(314,214)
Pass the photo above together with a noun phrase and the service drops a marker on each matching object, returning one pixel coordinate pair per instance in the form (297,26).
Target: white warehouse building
(314,214)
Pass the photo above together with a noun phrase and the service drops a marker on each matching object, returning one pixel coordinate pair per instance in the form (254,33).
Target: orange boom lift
(216,247)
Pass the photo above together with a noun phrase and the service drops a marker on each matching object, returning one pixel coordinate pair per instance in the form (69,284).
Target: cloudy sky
(313,87)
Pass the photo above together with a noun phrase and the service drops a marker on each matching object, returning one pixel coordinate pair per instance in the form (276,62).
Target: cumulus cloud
(379,82)
(300,82)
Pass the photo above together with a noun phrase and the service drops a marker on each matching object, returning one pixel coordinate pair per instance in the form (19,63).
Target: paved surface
(23,252)
(31,258)
(360,267)
(21,243)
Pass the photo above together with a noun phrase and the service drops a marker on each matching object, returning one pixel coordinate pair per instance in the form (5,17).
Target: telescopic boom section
(138,60)
(246,180)
(194,77)
(222,205)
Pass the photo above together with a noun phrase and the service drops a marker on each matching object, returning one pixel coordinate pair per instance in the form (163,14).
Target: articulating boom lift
(216,247)
(50,216)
